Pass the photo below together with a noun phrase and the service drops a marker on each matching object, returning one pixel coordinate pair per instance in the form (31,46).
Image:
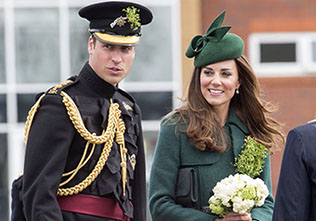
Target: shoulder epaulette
(54,90)
(58,88)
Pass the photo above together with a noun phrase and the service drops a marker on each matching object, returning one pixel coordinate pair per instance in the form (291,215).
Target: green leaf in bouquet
(252,158)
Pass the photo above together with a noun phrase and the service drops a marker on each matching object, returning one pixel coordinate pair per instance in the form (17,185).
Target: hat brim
(117,40)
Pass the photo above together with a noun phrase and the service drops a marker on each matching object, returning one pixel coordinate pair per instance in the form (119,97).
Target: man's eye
(126,48)
(106,46)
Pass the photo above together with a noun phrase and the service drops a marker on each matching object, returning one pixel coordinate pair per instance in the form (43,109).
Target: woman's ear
(238,83)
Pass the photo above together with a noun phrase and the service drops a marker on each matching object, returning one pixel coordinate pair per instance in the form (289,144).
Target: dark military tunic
(55,147)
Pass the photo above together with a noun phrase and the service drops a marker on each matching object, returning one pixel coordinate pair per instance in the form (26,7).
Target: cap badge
(120,21)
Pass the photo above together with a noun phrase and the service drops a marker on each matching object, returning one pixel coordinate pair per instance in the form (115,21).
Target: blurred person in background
(208,131)
(296,193)
(84,146)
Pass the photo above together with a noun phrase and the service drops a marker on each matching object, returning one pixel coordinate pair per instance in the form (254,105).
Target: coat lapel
(238,132)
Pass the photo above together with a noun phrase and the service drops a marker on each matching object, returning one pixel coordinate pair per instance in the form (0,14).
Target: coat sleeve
(294,188)
(265,211)
(49,140)
(139,186)
(163,179)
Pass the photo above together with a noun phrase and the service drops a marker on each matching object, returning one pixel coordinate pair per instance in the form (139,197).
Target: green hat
(216,45)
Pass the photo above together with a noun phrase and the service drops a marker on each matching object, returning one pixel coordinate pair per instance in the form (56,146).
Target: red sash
(92,205)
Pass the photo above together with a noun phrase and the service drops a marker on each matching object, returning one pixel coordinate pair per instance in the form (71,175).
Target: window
(24,104)
(156,38)
(2,49)
(314,50)
(4,190)
(37,45)
(154,105)
(283,54)
(3,108)
(277,52)
(78,35)
(150,140)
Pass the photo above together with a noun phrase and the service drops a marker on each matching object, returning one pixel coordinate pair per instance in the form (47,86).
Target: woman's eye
(226,73)
(207,72)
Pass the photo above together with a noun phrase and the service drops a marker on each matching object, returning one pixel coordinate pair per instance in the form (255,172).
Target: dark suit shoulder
(306,131)
(302,139)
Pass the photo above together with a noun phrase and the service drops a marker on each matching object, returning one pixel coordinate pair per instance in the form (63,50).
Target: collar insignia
(127,107)
(132,160)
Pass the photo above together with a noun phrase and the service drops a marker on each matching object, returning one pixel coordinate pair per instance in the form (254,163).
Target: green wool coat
(174,151)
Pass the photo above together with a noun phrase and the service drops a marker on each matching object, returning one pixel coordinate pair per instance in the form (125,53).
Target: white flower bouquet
(241,192)
(238,193)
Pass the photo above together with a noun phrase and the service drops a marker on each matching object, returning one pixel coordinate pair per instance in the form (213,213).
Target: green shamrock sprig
(252,158)
(133,17)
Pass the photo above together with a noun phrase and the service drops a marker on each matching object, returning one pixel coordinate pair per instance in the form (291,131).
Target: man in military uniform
(84,137)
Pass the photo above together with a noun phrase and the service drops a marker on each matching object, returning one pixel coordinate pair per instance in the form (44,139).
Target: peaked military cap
(116,22)
(216,45)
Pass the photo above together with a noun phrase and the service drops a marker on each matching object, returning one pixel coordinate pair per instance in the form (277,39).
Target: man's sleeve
(48,144)
(139,185)
(294,189)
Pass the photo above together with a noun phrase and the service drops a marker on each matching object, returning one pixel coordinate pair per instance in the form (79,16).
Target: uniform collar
(97,84)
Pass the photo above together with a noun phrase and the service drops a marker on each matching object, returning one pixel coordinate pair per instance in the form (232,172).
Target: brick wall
(296,101)
(247,16)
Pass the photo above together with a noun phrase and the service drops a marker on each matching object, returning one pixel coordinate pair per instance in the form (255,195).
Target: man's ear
(90,45)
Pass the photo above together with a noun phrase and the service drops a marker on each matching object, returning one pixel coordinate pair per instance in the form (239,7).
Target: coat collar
(237,131)
(97,84)
(234,120)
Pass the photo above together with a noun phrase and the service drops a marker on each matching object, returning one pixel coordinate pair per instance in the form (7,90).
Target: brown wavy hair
(203,127)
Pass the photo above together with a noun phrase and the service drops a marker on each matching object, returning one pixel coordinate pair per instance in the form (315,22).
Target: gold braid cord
(30,118)
(115,127)
(34,108)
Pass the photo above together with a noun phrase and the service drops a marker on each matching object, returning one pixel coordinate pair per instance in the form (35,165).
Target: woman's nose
(216,81)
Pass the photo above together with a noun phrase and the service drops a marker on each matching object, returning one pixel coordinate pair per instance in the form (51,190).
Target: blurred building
(43,42)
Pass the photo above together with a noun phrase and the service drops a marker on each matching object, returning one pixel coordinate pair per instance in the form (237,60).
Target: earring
(237,91)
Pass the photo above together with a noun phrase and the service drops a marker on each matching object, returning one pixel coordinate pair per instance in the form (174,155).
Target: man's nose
(116,56)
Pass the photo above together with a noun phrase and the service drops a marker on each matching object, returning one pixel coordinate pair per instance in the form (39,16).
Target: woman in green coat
(206,134)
